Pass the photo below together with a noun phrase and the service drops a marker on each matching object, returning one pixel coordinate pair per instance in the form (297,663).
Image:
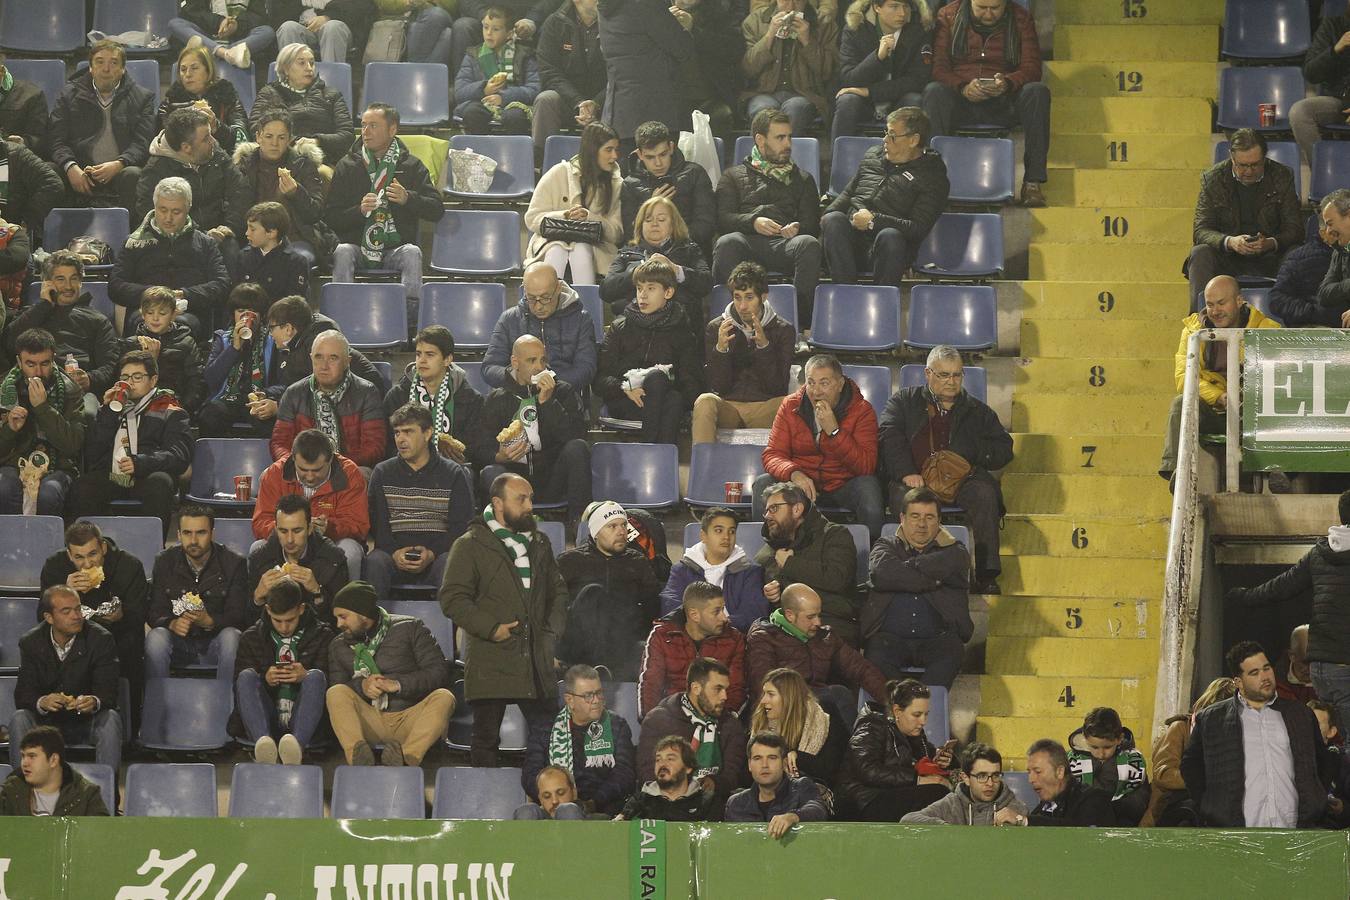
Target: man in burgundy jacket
(987,70)
(698,628)
(346,407)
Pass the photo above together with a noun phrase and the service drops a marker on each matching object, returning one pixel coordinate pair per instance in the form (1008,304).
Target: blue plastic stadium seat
(805,153)
(372,316)
(782,298)
(421,91)
(17,616)
(180,790)
(558,147)
(5,769)
(55,26)
(556,532)
(514,154)
(386,370)
(63,225)
(117,16)
(848,154)
(186,713)
(1020,784)
(1265,29)
(468,793)
(960,532)
(441,628)
(623,701)
(276,792)
(468,309)
(1286,153)
(141,536)
(874,382)
(7,685)
(237,534)
(378,792)
(103,776)
(475,242)
(511,736)
(337,75)
(216,462)
(244,81)
(976,381)
(711,466)
(1330,167)
(963,316)
(589,295)
(1243,88)
(473,372)
(144,72)
(963,245)
(47,74)
(981,170)
(29,541)
(645,476)
(749,536)
(1259,297)
(856,317)
(862,543)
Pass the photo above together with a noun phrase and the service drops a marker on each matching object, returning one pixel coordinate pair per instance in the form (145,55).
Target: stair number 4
(1133,9)
(1066,696)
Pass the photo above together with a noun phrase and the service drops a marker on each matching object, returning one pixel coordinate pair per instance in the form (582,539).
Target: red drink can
(243,488)
(1266,111)
(734,491)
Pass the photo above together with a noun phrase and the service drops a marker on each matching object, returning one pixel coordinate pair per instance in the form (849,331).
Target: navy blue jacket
(1293,297)
(607,787)
(795,795)
(281,273)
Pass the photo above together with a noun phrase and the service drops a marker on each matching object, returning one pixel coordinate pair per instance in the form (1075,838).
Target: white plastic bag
(470,172)
(700,148)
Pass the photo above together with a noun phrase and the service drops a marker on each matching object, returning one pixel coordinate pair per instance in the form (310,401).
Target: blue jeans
(383,574)
(801,111)
(406,258)
(257,40)
(860,495)
(51,498)
(103,729)
(164,649)
(258,708)
(1332,682)
(429,37)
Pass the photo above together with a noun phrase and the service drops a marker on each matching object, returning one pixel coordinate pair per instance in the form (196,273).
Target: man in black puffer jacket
(23,113)
(34,189)
(1293,296)
(889,205)
(572,75)
(658,165)
(885,60)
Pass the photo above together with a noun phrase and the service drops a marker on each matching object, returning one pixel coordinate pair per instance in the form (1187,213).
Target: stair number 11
(1119,151)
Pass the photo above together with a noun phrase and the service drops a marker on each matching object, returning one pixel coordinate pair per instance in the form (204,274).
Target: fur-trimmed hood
(861,10)
(248,149)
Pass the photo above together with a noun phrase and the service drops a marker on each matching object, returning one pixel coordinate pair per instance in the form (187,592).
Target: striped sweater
(429,507)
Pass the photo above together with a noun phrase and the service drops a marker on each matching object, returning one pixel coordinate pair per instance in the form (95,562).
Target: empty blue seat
(29,541)
(187,714)
(476,242)
(276,792)
(17,616)
(646,476)
(47,74)
(379,792)
(558,147)
(589,295)
(372,316)
(56,26)
(960,532)
(144,72)
(711,466)
(856,317)
(429,611)
(421,91)
(623,701)
(514,155)
(386,370)
(805,153)
(468,309)
(63,225)
(1265,29)
(749,536)
(1243,89)
(848,154)
(216,462)
(556,532)
(981,170)
(862,543)
(1286,153)
(103,776)
(337,75)
(782,299)
(1020,784)
(976,381)
(963,245)
(7,685)
(99,301)
(1330,167)
(1259,297)
(141,536)
(244,81)
(237,534)
(179,790)
(874,382)
(473,373)
(963,316)
(468,793)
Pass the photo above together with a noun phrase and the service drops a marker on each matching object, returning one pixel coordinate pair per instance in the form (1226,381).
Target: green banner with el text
(1295,399)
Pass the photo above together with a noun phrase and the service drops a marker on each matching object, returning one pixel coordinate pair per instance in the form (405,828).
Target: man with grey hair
(168,250)
(1333,294)
(63,309)
(336,401)
(922,423)
(1293,298)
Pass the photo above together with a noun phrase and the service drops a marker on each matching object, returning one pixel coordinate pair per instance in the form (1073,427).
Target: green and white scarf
(380,232)
(363,656)
(518,544)
(777,171)
(598,748)
(149,233)
(247,374)
(325,408)
(442,406)
(777,618)
(9,391)
(491,63)
(286,648)
(528,414)
(707,750)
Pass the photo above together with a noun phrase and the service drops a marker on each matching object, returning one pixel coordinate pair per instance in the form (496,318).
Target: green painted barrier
(257,859)
(1295,399)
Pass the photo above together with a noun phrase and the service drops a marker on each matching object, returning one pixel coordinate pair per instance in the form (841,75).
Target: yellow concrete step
(1085,454)
(1163,43)
(1120,414)
(1097,657)
(1104,301)
(1056,576)
(1122,189)
(1111,225)
(1070,536)
(1099,115)
(1012,735)
(1078,618)
(1042,375)
(1026,696)
(1131,80)
(1138,262)
(1142,14)
(1055,493)
(1078,339)
(1132,150)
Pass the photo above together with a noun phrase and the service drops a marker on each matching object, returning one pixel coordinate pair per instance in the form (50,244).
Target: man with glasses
(919,424)
(1246,218)
(588,741)
(551,311)
(982,797)
(889,205)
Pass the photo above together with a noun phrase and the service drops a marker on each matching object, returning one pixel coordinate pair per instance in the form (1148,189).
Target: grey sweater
(957,808)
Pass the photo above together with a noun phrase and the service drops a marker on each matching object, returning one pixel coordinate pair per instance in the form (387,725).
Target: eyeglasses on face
(589,696)
(135,377)
(948,376)
(895,136)
(985,777)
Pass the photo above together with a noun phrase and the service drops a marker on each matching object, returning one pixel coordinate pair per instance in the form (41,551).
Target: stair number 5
(1066,696)
(1133,9)
(1075,620)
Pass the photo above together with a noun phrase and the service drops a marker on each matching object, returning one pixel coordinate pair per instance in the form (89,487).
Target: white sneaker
(265,751)
(238,56)
(290,750)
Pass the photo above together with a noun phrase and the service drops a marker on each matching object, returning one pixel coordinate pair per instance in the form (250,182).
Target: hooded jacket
(822,660)
(797,445)
(605,786)
(305,204)
(408,653)
(163,439)
(618,290)
(467,425)
(60,432)
(561,419)
(219,193)
(976,434)
(770,61)
(744,194)
(1293,296)
(1325,571)
(351,182)
(644,47)
(180,364)
(321,556)
(670,650)
(825,559)
(23,111)
(222,584)
(1213,385)
(632,343)
(745,372)
(342,498)
(606,630)
(693,197)
(959,808)
(649,803)
(558,190)
(221,96)
(522,87)
(77,120)
(317,112)
(81,331)
(1218,212)
(189,261)
(360,416)
(906,70)
(908,196)
(564,66)
(939,572)
(568,336)
(34,189)
(983,57)
(794,795)
(879,758)
(78,796)
(742,585)
(668,718)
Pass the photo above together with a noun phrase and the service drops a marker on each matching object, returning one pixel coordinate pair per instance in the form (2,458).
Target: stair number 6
(1079,539)
(1066,696)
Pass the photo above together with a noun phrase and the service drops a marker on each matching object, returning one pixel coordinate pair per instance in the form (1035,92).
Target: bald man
(551,311)
(357,426)
(1224,308)
(547,442)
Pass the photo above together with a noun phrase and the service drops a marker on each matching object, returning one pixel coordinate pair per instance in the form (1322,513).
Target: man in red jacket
(336,490)
(824,440)
(698,628)
(987,70)
(341,404)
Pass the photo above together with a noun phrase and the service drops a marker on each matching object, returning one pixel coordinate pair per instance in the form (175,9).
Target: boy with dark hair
(981,798)
(44,784)
(160,334)
(243,373)
(657,165)
(498,80)
(1102,755)
(433,381)
(269,259)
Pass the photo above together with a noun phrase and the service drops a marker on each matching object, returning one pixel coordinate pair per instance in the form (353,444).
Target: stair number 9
(1106,301)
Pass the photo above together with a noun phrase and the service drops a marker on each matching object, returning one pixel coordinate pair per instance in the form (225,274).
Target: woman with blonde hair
(659,231)
(788,708)
(1170,804)
(198,84)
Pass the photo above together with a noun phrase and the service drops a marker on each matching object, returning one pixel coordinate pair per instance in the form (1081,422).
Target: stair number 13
(1133,9)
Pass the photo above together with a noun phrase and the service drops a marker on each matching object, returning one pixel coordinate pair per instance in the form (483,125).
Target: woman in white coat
(585,187)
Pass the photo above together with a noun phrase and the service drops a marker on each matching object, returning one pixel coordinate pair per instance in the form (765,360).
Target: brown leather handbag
(944,471)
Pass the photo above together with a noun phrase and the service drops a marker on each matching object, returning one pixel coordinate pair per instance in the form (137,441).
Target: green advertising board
(1296,399)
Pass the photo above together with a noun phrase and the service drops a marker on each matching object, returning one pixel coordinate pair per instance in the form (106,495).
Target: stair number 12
(1129,82)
